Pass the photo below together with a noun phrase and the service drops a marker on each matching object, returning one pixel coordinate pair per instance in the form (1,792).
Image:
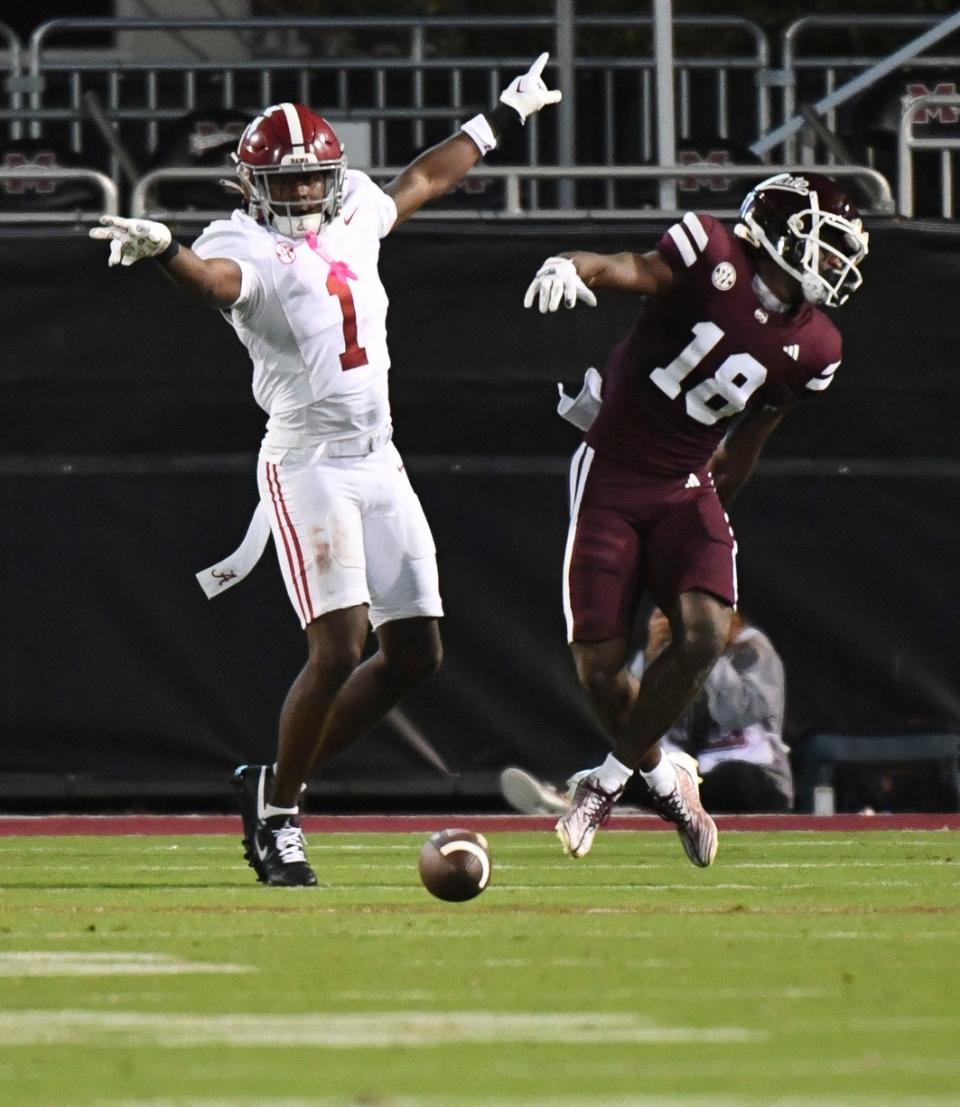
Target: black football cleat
(252,784)
(277,853)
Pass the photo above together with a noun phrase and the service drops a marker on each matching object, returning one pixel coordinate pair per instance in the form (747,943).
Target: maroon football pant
(631,532)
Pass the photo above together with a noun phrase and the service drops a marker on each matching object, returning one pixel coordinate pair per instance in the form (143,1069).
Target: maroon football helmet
(810,228)
(291,139)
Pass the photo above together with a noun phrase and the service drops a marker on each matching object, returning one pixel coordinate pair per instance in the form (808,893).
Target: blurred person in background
(733,728)
(730,337)
(296,275)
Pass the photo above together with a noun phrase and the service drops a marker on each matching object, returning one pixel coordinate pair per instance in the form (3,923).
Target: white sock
(662,778)
(269,810)
(612,775)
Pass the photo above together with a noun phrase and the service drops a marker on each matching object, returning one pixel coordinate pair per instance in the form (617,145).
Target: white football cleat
(698,832)
(589,809)
(525,793)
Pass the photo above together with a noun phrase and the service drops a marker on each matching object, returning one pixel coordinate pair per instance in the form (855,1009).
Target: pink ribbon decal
(339,270)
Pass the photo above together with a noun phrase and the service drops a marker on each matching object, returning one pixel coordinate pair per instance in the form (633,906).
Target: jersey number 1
(354,355)
(735,381)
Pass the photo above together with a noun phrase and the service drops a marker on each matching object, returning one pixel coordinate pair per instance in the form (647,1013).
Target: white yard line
(905,1022)
(348,1031)
(455,1099)
(879,864)
(68,963)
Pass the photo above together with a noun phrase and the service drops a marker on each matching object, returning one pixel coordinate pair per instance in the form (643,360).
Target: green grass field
(802,968)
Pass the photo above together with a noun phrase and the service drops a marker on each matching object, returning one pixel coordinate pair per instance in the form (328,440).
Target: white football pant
(349,530)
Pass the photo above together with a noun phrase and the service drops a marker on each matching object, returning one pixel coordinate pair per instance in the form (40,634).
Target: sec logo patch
(724,276)
(286,252)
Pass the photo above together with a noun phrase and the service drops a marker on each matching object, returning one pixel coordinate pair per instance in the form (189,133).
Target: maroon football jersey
(698,357)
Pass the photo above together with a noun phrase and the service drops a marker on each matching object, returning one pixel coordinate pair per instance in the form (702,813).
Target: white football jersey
(313,317)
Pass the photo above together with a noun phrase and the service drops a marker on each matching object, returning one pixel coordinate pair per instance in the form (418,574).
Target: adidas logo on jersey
(792,351)
(693,481)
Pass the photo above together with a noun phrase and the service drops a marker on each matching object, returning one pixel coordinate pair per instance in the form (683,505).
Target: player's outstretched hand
(557,279)
(132,239)
(527,93)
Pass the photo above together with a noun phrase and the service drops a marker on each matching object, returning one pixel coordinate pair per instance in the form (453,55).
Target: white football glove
(132,239)
(557,280)
(528,93)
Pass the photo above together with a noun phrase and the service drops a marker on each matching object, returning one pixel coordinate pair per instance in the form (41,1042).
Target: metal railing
(11,44)
(406,95)
(22,174)
(908,143)
(433,81)
(809,77)
(513,204)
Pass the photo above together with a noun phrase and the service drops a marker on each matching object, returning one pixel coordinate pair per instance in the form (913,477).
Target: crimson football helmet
(810,228)
(288,139)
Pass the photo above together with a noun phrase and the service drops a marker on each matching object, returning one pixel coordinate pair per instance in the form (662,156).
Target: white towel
(581,410)
(225,574)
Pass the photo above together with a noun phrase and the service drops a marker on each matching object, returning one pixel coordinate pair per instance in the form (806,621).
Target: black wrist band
(169,253)
(502,118)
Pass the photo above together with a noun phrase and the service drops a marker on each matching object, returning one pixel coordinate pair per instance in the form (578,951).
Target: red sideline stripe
(34,825)
(298,571)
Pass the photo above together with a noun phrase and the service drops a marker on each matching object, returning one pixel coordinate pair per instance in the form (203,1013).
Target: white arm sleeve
(250,300)
(228,239)
(388,215)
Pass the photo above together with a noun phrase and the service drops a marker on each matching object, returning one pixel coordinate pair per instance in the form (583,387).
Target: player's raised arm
(567,278)
(439,169)
(216,281)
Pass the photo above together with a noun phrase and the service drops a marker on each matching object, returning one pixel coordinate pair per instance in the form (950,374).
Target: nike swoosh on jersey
(347,218)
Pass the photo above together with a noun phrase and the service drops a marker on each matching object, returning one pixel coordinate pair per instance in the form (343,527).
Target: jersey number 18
(735,381)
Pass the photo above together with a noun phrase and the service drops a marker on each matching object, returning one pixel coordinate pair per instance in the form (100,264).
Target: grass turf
(803,967)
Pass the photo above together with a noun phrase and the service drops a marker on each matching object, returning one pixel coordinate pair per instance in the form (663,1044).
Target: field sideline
(487,824)
(144,967)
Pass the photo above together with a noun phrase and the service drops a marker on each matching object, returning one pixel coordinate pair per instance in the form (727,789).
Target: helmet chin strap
(814,290)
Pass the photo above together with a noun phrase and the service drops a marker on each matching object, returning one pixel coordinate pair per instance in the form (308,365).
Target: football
(455,864)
